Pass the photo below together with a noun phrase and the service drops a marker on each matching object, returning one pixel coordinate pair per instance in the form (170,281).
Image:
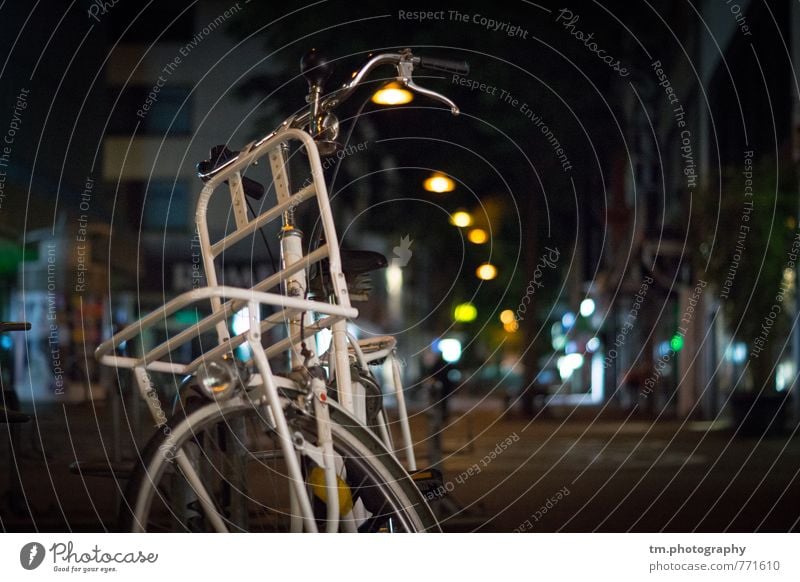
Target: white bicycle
(252,449)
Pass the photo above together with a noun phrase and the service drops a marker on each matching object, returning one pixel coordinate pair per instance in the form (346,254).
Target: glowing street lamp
(477,236)
(450,348)
(465,312)
(587,307)
(507,316)
(439,183)
(486,272)
(461,219)
(676,342)
(392,94)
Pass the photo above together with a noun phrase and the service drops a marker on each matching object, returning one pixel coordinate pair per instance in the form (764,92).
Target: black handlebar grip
(315,67)
(14,326)
(445,65)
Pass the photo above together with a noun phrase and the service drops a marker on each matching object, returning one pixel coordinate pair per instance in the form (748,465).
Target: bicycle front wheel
(219,467)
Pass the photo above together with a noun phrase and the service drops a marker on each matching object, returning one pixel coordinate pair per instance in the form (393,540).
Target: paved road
(575,472)
(569,472)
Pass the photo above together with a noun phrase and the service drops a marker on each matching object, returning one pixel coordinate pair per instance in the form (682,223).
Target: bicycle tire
(376,472)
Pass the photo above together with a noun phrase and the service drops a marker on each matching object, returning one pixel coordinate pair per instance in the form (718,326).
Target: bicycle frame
(295,308)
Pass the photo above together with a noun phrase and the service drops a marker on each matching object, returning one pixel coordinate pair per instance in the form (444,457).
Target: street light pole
(795,36)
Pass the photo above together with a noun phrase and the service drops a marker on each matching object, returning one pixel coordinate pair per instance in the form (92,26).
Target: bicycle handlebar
(404,61)
(338,97)
(444,65)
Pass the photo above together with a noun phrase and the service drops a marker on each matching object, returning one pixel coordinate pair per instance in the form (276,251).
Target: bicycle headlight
(217,379)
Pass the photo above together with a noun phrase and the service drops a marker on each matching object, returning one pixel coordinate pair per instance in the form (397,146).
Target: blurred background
(598,256)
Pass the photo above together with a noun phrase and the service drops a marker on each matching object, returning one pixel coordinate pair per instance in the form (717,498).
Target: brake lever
(406,69)
(433,95)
